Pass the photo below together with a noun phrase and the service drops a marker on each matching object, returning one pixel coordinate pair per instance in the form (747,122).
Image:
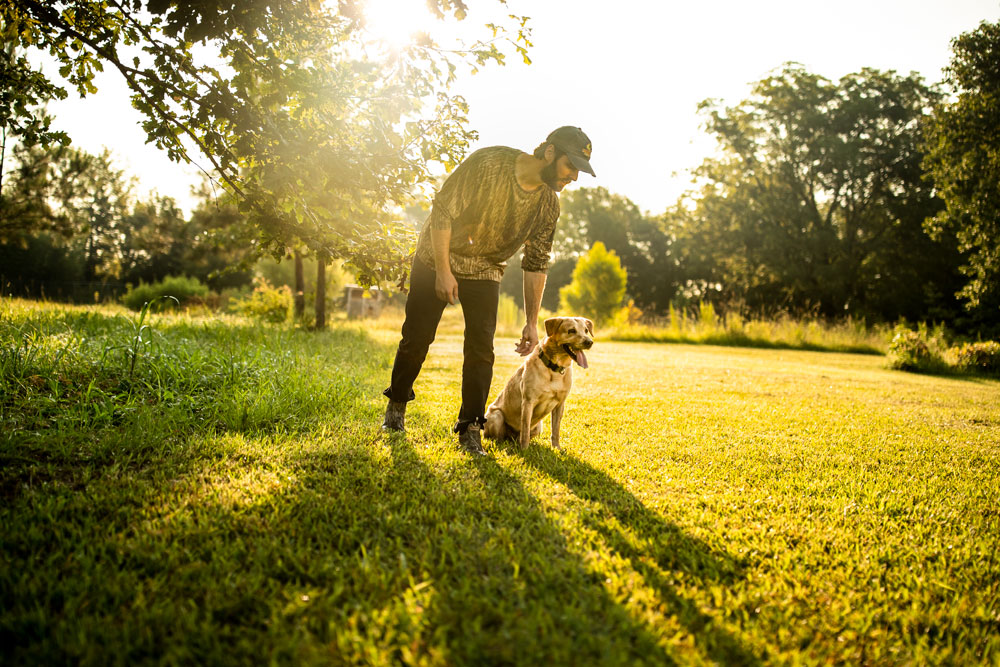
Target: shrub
(598,286)
(186,290)
(266,302)
(629,315)
(914,351)
(978,357)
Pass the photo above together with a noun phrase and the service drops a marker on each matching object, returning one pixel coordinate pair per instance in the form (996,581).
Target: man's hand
(529,339)
(446,287)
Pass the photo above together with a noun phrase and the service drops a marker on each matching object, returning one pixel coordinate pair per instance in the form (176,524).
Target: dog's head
(573,335)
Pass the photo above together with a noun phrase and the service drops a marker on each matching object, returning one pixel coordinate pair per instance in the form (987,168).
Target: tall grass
(66,368)
(704,326)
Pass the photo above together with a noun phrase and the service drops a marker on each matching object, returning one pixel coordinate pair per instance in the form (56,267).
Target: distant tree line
(69,217)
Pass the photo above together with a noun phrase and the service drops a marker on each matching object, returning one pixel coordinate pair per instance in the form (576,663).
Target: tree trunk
(90,259)
(300,287)
(321,290)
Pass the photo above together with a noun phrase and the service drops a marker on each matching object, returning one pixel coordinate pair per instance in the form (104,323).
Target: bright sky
(630,73)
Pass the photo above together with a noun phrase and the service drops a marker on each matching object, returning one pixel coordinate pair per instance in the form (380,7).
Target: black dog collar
(551,364)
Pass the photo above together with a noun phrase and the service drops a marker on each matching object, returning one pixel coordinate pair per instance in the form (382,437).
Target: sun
(395,22)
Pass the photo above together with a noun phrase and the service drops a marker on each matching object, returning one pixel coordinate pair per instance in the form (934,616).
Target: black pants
(423,313)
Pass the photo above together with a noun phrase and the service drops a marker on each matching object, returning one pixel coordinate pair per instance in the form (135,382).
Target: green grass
(230,499)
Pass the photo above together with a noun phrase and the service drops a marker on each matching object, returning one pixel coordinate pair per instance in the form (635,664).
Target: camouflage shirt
(490,216)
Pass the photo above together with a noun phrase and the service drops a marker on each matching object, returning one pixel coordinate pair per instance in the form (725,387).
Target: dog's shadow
(663,552)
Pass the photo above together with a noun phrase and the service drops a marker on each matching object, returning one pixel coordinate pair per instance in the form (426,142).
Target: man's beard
(549,176)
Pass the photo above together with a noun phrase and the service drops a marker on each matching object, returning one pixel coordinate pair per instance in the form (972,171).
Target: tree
(299,288)
(99,207)
(818,194)
(35,193)
(598,285)
(595,215)
(71,198)
(61,215)
(67,216)
(963,159)
(211,244)
(315,140)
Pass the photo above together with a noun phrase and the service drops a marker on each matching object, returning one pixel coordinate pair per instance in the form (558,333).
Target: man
(497,200)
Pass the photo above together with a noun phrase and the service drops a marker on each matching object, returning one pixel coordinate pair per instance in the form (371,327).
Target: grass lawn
(218,491)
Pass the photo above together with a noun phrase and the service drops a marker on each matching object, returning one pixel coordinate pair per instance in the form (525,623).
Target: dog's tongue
(581,359)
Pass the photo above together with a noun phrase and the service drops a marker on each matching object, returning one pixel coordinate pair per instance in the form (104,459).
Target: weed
(980,357)
(914,351)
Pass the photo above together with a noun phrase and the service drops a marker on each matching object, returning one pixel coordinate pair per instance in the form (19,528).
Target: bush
(598,286)
(915,351)
(186,290)
(978,357)
(266,302)
(628,315)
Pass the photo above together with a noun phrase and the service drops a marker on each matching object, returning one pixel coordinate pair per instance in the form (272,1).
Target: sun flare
(395,22)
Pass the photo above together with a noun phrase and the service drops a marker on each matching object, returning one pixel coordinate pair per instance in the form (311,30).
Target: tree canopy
(280,99)
(817,199)
(963,159)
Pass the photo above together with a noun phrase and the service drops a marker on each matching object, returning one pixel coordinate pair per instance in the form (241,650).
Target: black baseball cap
(575,144)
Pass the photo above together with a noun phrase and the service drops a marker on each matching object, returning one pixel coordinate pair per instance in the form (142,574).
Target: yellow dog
(542,383)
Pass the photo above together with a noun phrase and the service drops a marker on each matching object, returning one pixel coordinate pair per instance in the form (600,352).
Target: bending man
(496,201)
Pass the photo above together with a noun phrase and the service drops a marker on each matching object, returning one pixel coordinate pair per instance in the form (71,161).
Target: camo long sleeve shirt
(490,216)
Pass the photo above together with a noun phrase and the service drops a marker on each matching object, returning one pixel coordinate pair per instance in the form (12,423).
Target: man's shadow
(664,549)
(510,589)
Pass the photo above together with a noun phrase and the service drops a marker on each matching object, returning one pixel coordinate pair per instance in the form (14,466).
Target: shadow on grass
(951,373)
(509,589)
(463,563)
(363,554)
(661,542)
(350,551)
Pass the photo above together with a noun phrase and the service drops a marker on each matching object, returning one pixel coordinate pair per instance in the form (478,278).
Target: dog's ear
(590,326)
(551,325)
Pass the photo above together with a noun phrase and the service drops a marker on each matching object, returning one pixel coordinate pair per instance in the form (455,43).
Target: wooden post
(300,287)
(321,290)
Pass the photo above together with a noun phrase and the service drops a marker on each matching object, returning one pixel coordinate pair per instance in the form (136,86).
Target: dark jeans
(423,313)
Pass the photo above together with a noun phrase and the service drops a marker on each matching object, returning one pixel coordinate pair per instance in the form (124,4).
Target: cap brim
(581,163)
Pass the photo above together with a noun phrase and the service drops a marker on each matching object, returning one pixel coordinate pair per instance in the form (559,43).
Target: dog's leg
(527,409)
(557,413)
(495,427)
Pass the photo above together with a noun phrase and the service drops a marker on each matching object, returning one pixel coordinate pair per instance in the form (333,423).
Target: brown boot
(394,416)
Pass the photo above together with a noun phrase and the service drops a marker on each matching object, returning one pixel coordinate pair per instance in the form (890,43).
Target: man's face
(559,173)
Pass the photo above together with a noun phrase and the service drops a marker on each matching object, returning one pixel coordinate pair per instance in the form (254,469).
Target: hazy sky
(630,73)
